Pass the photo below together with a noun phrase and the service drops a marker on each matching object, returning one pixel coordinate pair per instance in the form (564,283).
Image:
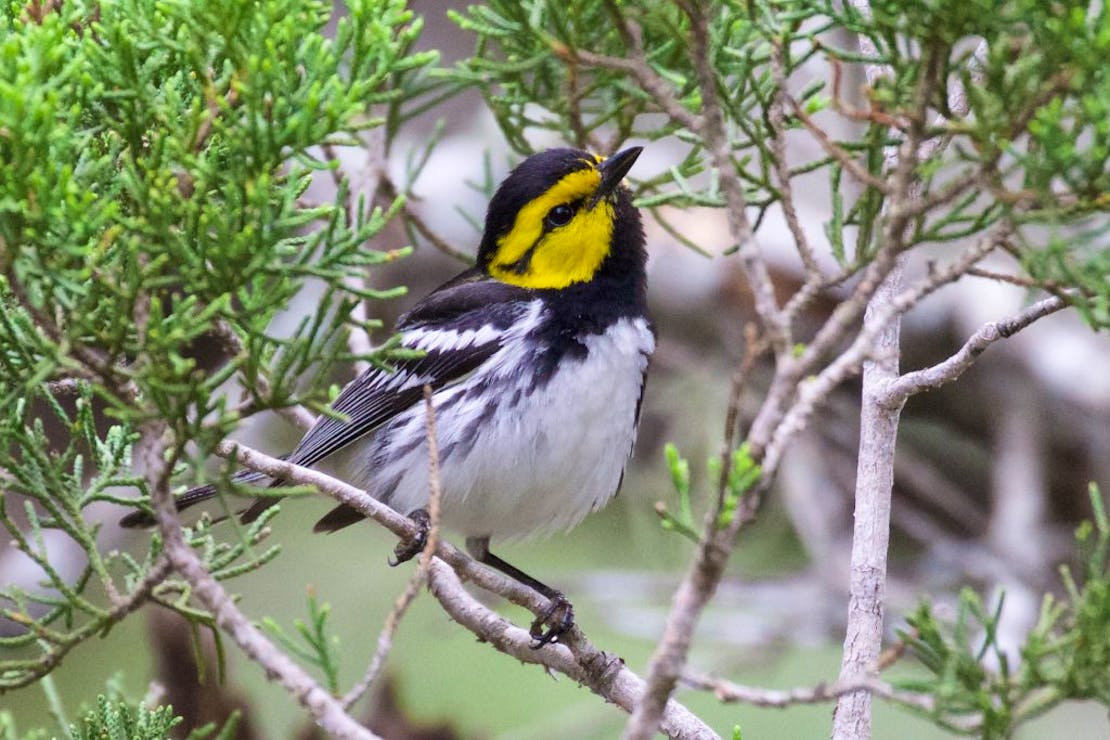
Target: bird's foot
(554,622)
(408,549)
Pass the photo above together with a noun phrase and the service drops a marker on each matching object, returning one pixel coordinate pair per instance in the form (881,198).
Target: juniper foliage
(152,227)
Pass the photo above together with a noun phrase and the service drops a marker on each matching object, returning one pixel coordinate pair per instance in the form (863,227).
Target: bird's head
(563,217)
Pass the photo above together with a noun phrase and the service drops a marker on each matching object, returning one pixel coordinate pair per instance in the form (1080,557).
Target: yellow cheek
(567,255)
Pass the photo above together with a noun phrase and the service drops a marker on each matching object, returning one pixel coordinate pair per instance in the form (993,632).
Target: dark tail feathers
(338,518)
(196,495)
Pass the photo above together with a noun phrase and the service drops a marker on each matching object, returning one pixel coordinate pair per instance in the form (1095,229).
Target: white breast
(538,460)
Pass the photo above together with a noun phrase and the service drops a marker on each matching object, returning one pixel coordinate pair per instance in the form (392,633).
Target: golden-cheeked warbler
(537,357)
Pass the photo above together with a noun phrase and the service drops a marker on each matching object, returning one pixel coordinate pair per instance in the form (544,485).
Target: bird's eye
(560,215)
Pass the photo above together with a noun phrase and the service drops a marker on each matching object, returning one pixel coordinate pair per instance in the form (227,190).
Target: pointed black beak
(613,171)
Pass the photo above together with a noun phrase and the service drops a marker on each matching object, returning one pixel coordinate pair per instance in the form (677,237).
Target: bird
(537,358)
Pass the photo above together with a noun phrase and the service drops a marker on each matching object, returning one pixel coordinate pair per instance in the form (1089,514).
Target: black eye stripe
(521,265)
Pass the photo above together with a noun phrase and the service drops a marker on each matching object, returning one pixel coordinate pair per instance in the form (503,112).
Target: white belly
(538,461)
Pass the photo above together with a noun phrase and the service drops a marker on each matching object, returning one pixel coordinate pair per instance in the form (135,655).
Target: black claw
(558,618)
(408,549)
(555,621)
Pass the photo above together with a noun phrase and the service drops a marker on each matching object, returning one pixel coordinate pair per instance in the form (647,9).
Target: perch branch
(420,575)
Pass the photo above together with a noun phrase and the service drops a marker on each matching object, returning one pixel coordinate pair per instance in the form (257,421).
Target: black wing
(458,327)
(471,303)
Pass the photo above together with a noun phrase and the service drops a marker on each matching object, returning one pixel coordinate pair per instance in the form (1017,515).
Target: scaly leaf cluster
(154,156)
(1063,657)
(56,466)
(116,717)
(153,159)
(1027,139)
(316,645)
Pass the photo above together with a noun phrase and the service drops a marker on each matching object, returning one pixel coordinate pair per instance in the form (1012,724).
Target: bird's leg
(409,548)
(558,617)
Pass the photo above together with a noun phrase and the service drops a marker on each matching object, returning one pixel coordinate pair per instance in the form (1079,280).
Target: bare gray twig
(950,369)
(637,66)
(776,116)
(715,135)
(420,575)
(604,674)
(325,709)
(731,693)
(843,157)
(879,420)
(812,392)
(871,517)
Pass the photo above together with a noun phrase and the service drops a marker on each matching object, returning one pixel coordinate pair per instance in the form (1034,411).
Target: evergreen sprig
(153,159)
(1063,657)
(1028,141)
(316,645)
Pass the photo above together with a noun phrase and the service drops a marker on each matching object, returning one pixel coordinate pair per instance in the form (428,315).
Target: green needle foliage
(116,717)
(1030,139)
(743,474)
(152,162)
(1064,657)
(153,157)
(316,646)
(117,721)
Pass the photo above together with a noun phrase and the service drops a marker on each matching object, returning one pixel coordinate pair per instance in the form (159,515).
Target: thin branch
(700,582)
(790,371)
(61,644)
(1056,288)
(410,216)
(138,595)
(149,456)
(638,67)
(435,486)
(950,369)
(731,693)
(811,289)
(583,138)
(879,421)
(420,575)
(871,515)
(602,673)
(962,183)
(776,116)
(878,435)
(401,526)
(813,392)
(715,135)
(325,709)
(844,158)
(874,114)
